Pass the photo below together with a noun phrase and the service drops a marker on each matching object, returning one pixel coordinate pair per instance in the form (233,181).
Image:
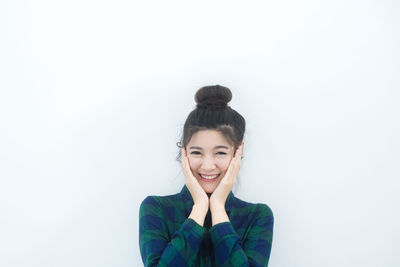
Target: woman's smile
(209,178)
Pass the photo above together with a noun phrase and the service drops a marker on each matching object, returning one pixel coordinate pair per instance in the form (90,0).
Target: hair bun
(216,96)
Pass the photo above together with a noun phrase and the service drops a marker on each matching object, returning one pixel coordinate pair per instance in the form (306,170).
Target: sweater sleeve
(156,247)
(255,250)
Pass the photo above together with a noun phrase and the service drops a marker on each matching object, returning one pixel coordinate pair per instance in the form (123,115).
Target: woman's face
(209,154)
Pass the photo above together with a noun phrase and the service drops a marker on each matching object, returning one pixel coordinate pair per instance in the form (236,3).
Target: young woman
(205,224)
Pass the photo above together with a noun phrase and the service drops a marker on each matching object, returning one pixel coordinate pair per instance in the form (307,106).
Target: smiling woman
(205,224)
(209,155)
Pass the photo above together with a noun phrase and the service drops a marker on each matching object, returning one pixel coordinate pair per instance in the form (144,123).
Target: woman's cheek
(194,163)
(224,164)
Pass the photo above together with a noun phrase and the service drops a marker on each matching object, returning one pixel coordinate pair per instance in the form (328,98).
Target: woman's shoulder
(160,200)
(261,209)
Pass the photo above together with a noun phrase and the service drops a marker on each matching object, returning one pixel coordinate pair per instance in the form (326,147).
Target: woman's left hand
(220,194)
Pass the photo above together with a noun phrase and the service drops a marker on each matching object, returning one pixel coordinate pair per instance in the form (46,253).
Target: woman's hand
(199,196)
(220,194)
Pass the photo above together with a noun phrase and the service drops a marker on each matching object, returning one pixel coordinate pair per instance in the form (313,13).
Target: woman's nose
(208,163)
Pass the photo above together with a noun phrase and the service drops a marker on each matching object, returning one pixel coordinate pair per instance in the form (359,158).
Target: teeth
(208,177)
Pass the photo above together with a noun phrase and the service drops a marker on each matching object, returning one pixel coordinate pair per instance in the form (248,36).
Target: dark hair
(212,112)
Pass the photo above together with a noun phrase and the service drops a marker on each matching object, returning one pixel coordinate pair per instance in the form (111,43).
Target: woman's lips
(209,180)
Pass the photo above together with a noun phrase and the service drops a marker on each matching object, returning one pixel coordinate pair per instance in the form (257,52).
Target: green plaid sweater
(167,237)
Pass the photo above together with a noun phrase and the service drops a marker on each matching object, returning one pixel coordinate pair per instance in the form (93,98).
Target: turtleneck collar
(188,200)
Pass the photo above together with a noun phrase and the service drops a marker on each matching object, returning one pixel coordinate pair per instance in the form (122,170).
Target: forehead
(208,139)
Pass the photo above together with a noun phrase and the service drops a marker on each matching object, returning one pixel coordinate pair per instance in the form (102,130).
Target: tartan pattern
(167,237)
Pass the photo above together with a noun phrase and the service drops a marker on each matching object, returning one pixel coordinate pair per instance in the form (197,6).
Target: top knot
(213,96)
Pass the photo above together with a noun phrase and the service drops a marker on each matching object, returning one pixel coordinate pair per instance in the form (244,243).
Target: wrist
(198,214)
(217,206)
(219,215)
(200,207)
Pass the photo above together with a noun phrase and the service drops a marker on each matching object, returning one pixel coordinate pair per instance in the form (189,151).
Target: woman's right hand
(199,196)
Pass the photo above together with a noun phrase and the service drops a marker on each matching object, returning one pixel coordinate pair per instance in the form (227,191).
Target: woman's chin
(209,187)
(208,191)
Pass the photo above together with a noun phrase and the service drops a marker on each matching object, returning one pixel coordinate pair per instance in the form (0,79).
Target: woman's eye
(198,153)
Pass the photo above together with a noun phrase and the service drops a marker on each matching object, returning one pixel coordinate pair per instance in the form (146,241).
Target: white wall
(94,94)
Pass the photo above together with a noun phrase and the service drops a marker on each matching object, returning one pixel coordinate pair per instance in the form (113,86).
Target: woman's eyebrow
(197,147)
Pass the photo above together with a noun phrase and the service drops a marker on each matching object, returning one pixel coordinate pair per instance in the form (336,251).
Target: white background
(94,95)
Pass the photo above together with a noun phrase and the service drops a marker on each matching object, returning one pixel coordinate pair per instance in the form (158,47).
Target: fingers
(183,156)
(183,152)
(239,151)
(239,155)
(185,164)
(184,161)
(234,165)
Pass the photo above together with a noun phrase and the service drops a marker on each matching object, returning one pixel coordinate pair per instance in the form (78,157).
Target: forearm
(254,250)
(219,215)
(158,247)
(198,214)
